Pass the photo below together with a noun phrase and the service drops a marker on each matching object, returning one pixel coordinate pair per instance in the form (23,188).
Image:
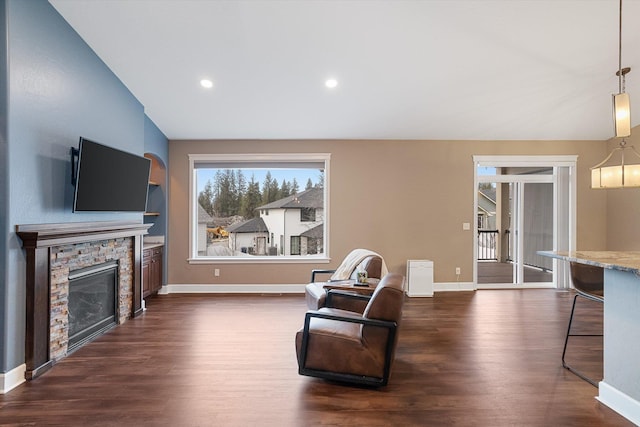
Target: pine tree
(274,191)
(266,187)
(320,183)
(225,204)
(251,200)
(205,198)
(270,189)
(241,190)
(294,186)
(309,184)
(285,189)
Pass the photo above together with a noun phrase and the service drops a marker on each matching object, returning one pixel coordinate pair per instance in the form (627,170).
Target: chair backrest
(385,304)
(588,279)
(387,299)
(372,265)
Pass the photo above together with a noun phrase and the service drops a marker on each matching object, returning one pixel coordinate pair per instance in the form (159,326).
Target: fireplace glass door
(92,302)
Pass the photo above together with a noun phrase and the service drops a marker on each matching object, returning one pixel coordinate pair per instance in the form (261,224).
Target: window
(238,202)
(295,245)
(307,214)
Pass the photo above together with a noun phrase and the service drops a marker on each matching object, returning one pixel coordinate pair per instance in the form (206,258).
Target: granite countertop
(613,260)
(150,242)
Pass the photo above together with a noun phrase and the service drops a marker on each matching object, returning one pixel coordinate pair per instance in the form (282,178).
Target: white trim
(187,288)
(525,161)
(259,260)
(512,178)
(620,402)
(565,161)
(252,158)
(541,285)
(453,286)
(12,379)
(296,288)
(260,157)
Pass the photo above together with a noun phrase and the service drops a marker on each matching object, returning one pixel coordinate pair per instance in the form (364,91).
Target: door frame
(564,209)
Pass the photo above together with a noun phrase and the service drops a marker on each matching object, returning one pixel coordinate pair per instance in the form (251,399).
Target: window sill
(259,260)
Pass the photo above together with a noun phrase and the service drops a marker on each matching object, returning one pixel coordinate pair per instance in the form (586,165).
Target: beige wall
(623,208)
(417,195)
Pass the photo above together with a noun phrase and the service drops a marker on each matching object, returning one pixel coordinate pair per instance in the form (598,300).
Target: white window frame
(235,159)
(565,190)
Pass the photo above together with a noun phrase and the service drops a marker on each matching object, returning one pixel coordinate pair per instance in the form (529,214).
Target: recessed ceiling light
(331,83)
(206,83)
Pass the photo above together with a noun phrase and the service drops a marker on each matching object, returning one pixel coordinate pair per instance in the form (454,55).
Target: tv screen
(110,180)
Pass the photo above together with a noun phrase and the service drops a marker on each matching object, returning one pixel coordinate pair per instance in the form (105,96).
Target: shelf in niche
(153,183)
(152,214)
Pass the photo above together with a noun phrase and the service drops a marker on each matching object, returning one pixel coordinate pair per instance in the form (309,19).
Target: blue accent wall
(157,144)
(4,180)
(55,90)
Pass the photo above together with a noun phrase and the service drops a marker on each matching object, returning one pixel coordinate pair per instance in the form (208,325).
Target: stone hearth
(68,258)
(52,251)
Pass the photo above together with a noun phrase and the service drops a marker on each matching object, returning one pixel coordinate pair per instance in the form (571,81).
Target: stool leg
(566,341)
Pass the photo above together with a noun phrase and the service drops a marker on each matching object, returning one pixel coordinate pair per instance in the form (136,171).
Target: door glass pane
(537,231)
(495,243)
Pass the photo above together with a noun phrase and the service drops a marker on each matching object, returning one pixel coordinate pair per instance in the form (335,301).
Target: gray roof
(486,200)
(203,216)
(316,232)
(312,198)
(255,225)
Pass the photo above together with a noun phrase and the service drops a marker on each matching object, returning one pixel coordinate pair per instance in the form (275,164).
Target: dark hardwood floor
(485,358)
(502,272)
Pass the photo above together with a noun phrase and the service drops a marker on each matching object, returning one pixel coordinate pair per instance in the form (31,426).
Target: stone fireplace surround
(52,251)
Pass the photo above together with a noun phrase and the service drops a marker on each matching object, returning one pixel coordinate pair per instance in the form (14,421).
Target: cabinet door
(146,277)
(156,270)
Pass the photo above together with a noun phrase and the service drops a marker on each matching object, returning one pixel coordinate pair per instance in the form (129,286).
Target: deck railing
(488,245)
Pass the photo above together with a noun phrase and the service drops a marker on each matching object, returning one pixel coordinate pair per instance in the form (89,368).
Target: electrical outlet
(457,271)
(216,272)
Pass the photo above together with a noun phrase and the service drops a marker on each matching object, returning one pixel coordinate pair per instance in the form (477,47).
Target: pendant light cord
(620,77)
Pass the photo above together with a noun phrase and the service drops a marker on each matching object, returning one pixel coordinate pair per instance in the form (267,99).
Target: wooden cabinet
(151,271)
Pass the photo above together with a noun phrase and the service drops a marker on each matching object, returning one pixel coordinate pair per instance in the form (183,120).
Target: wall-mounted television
(109,180)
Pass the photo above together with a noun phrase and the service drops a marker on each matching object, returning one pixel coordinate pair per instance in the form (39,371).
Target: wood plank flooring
(485,358)
(502,272)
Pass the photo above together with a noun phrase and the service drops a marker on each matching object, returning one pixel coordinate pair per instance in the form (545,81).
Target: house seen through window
(266,207)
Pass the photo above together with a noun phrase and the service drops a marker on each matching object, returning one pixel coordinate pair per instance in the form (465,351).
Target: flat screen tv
(110,180)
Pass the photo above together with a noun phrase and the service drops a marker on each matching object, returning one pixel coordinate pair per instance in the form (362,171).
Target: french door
(524,205)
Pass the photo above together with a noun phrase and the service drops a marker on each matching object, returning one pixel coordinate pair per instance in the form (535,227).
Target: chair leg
(566,341)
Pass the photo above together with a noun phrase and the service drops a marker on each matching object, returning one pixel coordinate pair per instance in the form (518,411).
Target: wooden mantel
(37,240)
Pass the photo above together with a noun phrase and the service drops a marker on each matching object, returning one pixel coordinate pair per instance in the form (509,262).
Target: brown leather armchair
(345,346)
(316,293)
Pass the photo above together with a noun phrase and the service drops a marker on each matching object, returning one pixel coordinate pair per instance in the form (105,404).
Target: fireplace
(92,305)
(61,256)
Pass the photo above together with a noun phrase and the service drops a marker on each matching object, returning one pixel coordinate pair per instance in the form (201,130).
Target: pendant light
(619,174)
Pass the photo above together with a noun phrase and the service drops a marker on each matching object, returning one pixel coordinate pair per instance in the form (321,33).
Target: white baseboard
(282,289)
(231,289)
(12,379)
(453,286)
(623,404)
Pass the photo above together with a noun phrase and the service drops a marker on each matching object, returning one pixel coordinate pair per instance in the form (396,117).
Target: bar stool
(588,281)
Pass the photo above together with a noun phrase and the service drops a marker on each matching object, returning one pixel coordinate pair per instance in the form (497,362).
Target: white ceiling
(469,69)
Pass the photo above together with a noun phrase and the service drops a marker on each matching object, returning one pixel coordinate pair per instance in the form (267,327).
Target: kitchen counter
(620,387)
(612,260)
(151,245)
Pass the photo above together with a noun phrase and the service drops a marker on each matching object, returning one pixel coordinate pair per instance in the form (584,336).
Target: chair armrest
(319,271)
(392,326)
(355,318)
(345,294)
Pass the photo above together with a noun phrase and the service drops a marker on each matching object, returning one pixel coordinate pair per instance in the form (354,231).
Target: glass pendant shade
(622,115)
(611,175)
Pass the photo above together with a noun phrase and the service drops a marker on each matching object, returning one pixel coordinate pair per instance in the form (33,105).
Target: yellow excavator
(217,233)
